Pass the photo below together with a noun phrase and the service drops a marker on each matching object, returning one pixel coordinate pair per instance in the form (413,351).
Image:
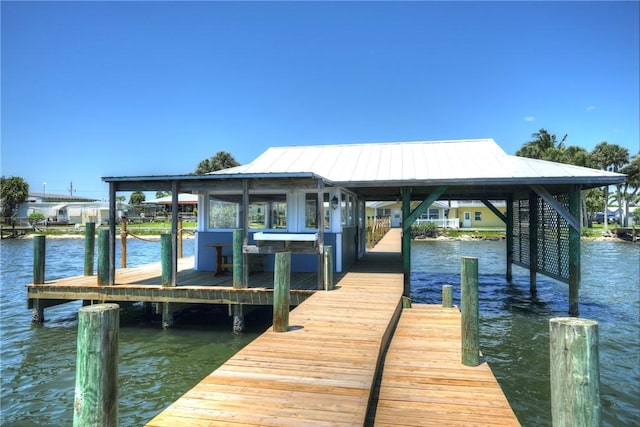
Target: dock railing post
(575,372)
(328,268)
(123,242)
(281,297)
(89,247)
(39,252)
(103,257)
(39,255)
(447,296)
(470,311)
(165,259)
(237,259)
(96,392)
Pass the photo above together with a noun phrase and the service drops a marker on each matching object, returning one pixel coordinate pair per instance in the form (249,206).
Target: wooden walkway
(323,370)
(319,373)
(424,383)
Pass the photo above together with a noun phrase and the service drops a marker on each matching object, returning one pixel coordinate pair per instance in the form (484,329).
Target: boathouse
(305,198)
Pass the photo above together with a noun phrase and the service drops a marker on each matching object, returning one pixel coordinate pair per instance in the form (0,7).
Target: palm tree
(544,146)
(612,158)
(631,186)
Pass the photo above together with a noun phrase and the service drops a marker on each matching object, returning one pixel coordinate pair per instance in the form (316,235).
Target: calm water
(156,366)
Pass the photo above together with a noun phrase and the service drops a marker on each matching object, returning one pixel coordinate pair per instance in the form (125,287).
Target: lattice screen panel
(552,233)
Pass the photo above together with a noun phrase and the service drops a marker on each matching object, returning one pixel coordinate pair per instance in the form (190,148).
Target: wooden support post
(123,242)
(406,240)
(470,312)
(238,319)
(447,296)
(406,302)
(37,311)
(39,255)
(509,238)
(89,247)
(533,243)
(281,297)
(103,257)
(238,265)
(180,231)
(165,259)
(96,392)
(167,315)
(328,268)
(574,254)
(575,372)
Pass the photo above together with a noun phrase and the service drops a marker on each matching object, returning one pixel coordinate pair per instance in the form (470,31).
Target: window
(264,211)
(268,211)
(311,213)
(224,212)
(477,216)
(347,209)
(433,214)
(278,215)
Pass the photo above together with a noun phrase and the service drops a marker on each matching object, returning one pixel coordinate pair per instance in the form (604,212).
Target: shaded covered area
(329,185)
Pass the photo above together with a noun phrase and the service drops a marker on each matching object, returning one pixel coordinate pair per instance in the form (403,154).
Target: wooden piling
(238,265)
(328,268)
(96,392)
(281,297)
(123,242)
(470,312)
(39,254)
(89,247)
(447,296)
(575,372)
(238,318)
(406,302)
(103,257)
(166,259)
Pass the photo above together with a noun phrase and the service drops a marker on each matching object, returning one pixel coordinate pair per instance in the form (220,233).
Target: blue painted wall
(299,262)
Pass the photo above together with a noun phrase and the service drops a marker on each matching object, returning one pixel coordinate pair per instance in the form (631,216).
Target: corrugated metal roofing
(434,161)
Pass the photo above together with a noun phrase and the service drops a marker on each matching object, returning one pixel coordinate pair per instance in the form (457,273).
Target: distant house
(65,209)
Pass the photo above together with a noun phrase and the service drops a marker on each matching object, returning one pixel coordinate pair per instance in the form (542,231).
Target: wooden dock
(324,370)
(143,284)
(424,383)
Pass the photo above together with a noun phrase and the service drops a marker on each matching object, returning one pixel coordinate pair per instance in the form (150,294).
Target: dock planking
(143,283)
(424,382)
(320,372)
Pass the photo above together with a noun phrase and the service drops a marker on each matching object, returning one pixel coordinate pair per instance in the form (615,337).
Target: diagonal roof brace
(551,201)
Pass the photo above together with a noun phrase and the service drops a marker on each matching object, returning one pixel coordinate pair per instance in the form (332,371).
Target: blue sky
(93,89)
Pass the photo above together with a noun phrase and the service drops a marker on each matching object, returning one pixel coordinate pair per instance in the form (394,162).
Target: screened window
(267,211)
(311,213)
(224,212)
(478,216)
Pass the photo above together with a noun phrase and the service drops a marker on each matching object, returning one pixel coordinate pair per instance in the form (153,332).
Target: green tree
(544,146)
(631,186)
(161,194)
(222,160)
(612,158)
(13,191)
(136,198)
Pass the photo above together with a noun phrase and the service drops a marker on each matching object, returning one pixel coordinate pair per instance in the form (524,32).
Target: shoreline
(460,238)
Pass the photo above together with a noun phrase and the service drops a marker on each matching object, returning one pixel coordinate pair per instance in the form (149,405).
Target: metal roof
(480,161)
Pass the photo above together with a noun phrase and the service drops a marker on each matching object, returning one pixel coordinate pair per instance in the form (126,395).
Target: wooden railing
(377,227)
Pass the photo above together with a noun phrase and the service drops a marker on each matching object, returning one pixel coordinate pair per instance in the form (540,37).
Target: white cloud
(591,108)
(529,119)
